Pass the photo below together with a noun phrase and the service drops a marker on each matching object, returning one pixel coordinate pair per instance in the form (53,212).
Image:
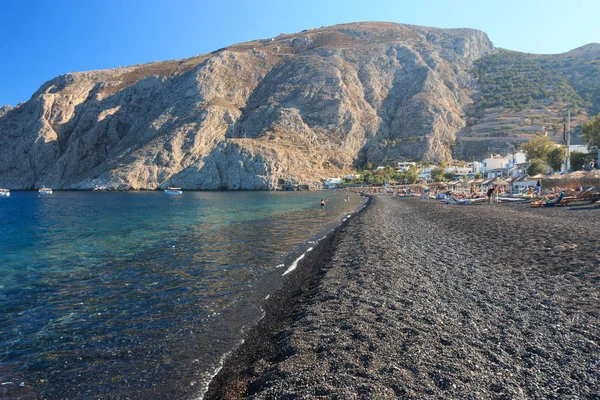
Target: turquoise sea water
(117,295)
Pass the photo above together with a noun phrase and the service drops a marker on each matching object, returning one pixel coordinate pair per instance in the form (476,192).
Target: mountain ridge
(294,108)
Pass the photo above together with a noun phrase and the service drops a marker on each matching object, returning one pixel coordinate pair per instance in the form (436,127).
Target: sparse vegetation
(538,148)
(514,80)
(556,158)
(591,132)
(577,160)
(536,167)
(437,174)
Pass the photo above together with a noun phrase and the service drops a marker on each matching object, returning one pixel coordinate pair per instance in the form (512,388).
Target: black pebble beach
(414,299)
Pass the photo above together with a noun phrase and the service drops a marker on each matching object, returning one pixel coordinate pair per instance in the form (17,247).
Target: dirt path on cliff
(417,299)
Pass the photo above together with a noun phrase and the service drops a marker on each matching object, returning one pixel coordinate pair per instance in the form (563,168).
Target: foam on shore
(295,263)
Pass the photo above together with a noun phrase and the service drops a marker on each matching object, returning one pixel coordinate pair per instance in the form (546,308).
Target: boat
(44,190)
(173,190)
(4,192)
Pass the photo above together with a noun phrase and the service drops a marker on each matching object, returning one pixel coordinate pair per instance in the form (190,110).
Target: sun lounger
(549,203)
(456,200)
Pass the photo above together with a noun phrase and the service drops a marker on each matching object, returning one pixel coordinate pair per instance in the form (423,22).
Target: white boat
(173,190)
(44,190)
(4,192)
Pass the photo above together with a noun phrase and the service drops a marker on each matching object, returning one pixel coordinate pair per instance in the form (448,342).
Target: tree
(449,176)
(538,147)
(577,160)
(536,167)
(412,174)
(556,158)
(591,132)
(437,174)
(477,176)
(378,180)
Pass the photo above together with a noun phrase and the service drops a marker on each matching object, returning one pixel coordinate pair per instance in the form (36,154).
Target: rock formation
(297,108)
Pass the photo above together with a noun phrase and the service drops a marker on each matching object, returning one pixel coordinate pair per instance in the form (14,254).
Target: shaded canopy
(550,181)
(592,178)
(499,181)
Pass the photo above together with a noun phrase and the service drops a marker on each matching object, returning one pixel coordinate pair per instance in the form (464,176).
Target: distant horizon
(46,40)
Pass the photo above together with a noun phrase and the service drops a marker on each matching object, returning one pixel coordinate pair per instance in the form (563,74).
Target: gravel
(416,299)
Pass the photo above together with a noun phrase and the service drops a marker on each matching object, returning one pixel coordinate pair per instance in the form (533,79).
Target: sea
(140,295)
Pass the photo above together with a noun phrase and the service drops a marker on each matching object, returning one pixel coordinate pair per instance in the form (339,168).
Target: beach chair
(456,200)
(549,203)
(583,195)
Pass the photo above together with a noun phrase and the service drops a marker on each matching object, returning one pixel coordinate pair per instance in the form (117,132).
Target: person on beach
(490,192)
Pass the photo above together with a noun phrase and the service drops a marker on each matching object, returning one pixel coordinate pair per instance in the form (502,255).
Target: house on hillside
(403,166)
(333,183)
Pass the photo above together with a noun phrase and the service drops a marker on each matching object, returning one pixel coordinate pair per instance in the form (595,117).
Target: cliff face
(298,108)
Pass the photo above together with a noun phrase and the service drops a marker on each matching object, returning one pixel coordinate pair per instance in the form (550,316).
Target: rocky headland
(414,299)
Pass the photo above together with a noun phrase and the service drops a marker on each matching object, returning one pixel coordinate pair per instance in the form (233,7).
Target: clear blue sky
(41,39)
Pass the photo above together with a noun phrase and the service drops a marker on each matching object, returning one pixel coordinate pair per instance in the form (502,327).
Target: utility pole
(568,139)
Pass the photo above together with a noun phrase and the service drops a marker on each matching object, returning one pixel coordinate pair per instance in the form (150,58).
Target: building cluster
(511,166)
(495,166)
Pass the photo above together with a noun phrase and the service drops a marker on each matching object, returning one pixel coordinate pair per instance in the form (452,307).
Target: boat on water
(4,192)
(173,190)
(44,190)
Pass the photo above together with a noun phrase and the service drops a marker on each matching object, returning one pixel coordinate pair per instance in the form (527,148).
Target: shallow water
(139,294)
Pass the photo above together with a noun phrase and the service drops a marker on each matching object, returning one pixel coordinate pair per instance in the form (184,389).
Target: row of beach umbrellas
(566,180)
(572,179)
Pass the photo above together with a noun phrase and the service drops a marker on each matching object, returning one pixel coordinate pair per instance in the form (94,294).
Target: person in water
(322,203)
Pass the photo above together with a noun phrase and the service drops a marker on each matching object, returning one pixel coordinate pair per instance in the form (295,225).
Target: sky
(41,39)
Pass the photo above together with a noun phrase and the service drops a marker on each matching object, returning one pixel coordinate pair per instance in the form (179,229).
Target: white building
(333,183)
(425,175)
(475,166)
(403,166)
(459,170)
(509,165)
(579,147)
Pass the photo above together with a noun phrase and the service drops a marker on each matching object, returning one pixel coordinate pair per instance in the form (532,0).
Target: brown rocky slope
(295,108)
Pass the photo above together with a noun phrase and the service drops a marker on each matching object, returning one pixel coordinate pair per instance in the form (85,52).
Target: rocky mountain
(295,108)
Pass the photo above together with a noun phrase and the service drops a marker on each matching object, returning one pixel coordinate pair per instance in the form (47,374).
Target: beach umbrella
(573,179)
(551,180)
(499,181)
(592,178)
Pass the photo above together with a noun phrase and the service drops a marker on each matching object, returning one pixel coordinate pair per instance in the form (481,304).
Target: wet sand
(416,299)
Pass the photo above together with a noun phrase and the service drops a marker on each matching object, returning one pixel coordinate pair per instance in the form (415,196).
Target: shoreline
(278,308)
(411,298)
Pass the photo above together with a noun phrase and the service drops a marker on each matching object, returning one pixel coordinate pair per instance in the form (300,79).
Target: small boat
(173,190)
(44,190)
(4,192)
